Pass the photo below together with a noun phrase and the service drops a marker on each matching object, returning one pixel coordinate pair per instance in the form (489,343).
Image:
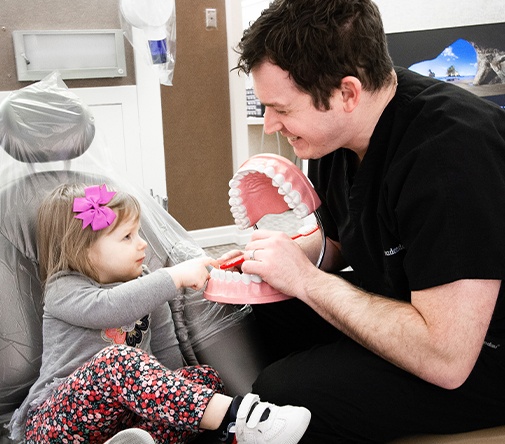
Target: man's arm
(438,336)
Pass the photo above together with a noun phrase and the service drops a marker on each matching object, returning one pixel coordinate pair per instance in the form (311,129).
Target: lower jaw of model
(264,184)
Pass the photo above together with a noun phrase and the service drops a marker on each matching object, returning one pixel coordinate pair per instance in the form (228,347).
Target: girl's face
(119,253)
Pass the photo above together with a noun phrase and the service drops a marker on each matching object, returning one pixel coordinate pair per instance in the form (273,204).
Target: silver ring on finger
(251,255)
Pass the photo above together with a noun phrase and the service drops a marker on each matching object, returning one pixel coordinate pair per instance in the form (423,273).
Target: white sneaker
(268,423)
(131,436)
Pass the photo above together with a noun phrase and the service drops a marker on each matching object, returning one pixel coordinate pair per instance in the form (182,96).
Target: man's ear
(350,89)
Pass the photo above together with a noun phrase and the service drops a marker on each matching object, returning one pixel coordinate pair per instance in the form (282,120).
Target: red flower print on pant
(123,387)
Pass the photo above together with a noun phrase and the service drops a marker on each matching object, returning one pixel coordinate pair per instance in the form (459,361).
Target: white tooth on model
(240,209)
(259,167)
(235,276)
(234,192)
(243,222)
(236,213)
(269,172)
(301,211)
(278,180)
(293,199)
(255,278)
(291,205)
(296,197)
(235,201)
(285,188)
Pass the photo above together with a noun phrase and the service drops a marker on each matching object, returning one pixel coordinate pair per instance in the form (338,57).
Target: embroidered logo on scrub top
(131,335)
(393,251)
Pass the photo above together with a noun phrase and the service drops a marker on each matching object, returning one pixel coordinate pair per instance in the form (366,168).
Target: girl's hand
(192,273)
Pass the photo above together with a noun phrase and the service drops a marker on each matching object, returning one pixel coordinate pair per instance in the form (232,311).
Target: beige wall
(196,115)
(57,15)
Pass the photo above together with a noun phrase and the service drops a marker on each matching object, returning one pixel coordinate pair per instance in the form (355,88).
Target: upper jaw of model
(270,184)
(264,184)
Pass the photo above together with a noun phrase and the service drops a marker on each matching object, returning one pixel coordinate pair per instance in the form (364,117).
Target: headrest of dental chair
(45,122)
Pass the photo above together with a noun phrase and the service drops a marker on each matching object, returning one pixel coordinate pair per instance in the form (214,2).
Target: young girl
(109,342)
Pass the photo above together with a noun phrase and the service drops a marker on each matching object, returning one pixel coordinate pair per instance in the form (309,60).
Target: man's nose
(271,123)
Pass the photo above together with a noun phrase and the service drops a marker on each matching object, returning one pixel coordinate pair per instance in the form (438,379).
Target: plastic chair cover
(47,136)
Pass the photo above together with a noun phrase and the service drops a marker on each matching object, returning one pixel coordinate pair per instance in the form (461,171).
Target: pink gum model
(264,184)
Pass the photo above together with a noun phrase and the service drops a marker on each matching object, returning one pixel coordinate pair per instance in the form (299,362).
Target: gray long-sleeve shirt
(81,317)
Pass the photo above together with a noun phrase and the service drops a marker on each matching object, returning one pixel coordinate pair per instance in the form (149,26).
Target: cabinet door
(116,119)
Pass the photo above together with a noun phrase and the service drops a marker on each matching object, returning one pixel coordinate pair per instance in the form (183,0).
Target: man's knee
(281,383)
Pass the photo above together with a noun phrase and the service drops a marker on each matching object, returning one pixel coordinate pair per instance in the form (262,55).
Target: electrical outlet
(211,18)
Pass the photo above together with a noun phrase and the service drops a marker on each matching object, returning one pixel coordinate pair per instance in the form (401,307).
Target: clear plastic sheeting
(149,26)
(59,147)
(26,135)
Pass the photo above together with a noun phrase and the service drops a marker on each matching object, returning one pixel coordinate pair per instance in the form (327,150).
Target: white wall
(401,15)
(409,15)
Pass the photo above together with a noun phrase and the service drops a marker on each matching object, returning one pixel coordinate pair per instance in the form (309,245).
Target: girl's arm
(79,301)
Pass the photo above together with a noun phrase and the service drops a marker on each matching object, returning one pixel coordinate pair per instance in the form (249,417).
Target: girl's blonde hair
(62,242)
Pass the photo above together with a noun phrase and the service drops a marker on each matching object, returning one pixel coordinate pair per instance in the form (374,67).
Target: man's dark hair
(319,42)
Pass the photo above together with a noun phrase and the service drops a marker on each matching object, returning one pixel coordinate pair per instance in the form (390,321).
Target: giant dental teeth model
(270,184)
(264,184)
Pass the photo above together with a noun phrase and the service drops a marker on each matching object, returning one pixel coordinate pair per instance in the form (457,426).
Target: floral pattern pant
(123,387)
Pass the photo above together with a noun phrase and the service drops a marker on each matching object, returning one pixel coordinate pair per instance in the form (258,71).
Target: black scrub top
(426,206)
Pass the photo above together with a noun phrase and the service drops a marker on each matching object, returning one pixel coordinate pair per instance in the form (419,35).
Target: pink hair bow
(91,208)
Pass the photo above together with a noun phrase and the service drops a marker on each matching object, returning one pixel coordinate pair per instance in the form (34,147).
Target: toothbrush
(302,232)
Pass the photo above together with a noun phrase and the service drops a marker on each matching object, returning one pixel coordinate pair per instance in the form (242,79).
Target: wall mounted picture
(472,57)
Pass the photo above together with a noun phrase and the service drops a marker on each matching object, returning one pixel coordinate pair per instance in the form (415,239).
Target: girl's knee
(203,374)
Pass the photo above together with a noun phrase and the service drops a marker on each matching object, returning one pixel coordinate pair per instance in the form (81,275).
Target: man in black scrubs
(411,173)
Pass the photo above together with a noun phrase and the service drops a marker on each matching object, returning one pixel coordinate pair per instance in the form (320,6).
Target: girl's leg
(113,390)
(202,375)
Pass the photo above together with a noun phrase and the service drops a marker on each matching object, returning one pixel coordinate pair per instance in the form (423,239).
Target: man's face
(311,132)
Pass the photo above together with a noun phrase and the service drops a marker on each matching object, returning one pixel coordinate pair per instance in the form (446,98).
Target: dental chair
(47,137)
